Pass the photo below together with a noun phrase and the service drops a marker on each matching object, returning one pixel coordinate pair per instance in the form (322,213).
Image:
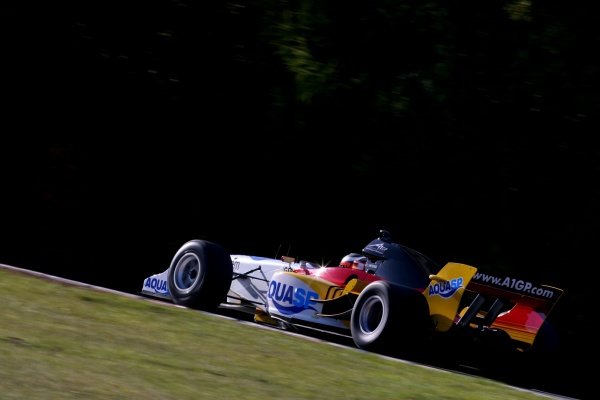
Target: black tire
(495,353)
(538,363)
(390,319)
(200,275)
(547,340)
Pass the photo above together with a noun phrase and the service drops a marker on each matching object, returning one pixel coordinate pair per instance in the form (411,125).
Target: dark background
(468,130)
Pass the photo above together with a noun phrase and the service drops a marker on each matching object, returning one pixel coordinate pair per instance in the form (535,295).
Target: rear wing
(461,296)
(540,297)
(516,306)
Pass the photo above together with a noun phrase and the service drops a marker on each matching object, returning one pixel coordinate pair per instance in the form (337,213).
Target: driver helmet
(353,260)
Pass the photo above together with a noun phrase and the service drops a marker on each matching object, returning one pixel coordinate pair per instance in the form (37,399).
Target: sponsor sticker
(377,248)
(157,285)
(290,299)
(445,289)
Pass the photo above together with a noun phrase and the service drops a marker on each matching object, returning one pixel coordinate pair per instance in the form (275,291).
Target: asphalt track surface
(308,334)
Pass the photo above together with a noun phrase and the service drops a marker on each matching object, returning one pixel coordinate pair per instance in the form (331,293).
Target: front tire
(200,275)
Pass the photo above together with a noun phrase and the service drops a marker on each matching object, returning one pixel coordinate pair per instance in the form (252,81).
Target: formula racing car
(388,298)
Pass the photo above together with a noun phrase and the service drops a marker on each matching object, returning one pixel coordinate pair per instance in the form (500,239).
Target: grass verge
(59,341)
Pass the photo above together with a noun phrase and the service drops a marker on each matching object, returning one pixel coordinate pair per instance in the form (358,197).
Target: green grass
(65,342)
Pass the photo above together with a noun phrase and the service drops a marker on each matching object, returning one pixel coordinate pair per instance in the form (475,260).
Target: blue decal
(377,247)
(158,285)
(289,299)
(445,289)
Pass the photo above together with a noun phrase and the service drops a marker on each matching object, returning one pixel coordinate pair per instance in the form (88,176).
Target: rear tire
(200,275)
(390,319)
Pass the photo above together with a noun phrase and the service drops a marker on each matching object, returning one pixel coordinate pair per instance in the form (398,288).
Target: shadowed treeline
(466,128)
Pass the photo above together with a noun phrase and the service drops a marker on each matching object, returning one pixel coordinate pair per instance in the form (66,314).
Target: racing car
(388,298)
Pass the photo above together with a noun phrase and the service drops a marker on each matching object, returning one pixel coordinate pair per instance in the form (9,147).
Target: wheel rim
(187,272)
(371,315)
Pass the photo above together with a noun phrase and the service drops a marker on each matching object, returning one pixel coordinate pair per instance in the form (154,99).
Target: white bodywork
(251,277)
(249,285)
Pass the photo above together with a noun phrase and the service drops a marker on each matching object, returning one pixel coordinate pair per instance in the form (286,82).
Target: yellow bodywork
(445,291)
